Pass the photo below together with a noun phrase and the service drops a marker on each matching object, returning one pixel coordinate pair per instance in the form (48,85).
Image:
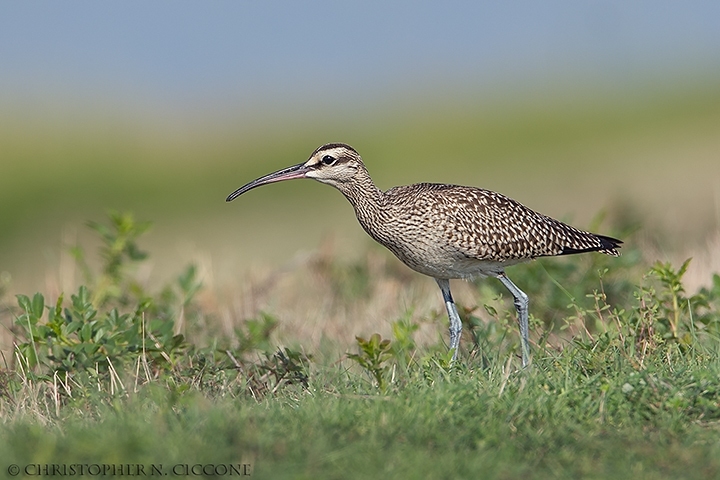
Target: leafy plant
(113,326)
(118,251)
(107,325)
(673,304)
(78,337)
(373,357)
(286,366)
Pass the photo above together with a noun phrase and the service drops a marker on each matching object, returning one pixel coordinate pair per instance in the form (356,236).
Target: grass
(493,424)
(624,382)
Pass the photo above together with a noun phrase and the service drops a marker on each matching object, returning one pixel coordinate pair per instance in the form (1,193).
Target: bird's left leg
(455,322)
(521,305)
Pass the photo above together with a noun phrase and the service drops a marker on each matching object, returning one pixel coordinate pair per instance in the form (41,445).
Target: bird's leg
(455,322)
(521,305)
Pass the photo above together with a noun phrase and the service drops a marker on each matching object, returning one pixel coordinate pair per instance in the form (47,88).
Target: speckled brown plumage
(445,231)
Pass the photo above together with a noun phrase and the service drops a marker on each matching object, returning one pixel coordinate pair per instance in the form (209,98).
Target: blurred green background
(164,109)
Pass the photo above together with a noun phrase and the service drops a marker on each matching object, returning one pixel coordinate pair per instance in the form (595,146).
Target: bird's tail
(602,244)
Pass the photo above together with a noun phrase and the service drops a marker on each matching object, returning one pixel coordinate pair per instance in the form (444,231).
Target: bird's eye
(328,160)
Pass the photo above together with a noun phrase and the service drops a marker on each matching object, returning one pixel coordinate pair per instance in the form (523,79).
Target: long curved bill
(296,171)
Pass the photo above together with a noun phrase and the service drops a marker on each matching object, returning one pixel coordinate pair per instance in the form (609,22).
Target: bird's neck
(366,198)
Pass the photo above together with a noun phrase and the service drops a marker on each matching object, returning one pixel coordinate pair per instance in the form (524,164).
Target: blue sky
(235,53)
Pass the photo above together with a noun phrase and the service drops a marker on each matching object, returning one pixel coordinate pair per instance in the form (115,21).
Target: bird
(445,231)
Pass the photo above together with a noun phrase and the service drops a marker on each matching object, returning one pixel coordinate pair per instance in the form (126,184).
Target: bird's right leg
(521,305)
(455,322)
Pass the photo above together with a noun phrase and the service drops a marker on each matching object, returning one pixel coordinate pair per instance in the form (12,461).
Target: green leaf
(86,332)
(24,303)
(73,326)
(99,335)
(27,352)
(38,305)
(55,315)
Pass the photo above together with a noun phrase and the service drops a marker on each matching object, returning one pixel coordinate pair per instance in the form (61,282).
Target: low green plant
(107,325)
(79,338)
(398,361)
(254,334)
(373,356)
(119,252)
(678,315)
(286,366)
(113,328)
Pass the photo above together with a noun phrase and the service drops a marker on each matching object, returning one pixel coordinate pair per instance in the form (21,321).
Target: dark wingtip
(609,243)
(608,246)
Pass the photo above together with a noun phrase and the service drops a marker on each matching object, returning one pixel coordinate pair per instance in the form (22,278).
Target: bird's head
(334,163)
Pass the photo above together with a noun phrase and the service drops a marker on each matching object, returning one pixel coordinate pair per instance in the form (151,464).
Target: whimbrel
(445,231)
